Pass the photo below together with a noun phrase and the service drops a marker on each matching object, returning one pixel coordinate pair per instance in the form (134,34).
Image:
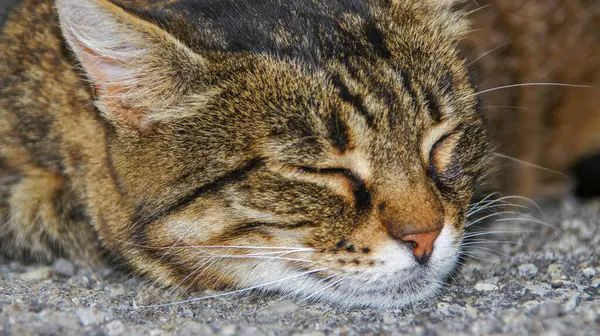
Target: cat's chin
(396,281)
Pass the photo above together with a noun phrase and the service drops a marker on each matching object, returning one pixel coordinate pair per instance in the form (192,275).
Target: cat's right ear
(136,67)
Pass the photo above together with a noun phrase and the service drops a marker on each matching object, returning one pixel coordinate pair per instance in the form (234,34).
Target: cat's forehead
(306,29)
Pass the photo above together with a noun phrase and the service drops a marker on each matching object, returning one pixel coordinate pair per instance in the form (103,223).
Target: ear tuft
(136,68)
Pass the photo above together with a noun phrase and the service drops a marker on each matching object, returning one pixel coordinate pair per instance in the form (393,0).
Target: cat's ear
(135,67)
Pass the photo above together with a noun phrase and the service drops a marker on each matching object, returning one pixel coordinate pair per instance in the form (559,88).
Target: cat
(328,150)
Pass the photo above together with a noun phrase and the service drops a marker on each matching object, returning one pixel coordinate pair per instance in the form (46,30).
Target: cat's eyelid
(433,136)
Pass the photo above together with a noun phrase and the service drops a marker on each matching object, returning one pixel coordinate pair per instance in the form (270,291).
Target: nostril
(421,244)
(412,244)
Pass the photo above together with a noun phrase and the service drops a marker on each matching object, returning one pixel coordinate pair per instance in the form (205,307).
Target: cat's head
(322,149)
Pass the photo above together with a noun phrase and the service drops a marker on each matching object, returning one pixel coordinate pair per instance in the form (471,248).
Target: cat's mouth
(395,280)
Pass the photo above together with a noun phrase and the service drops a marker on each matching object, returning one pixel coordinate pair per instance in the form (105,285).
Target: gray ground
(542,282)
(546,282)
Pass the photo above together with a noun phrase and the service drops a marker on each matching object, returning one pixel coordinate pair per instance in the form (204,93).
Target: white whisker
(236,291)
(487,53)
(533,165)
(531,84)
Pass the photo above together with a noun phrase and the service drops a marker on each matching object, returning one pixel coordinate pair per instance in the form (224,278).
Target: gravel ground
(542,282)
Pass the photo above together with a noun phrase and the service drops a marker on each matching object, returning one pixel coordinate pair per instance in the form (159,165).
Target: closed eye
(440,156)
(362,197)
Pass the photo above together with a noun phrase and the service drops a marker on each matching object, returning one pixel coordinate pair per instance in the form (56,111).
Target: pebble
(528,270)
(388,318)
(471,311)
(276,310)
(550,309)
(228,330)
(596,283)
(36,274)
(541,289)
(310,333)
(531,304)
(114,328)
(449,309)
(555,271)
(572,303)
(485,287)
(116,291)
(589,272)
(194,328)
(63,267)
(90,316)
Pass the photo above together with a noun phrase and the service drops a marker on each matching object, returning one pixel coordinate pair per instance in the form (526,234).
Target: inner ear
(135,67)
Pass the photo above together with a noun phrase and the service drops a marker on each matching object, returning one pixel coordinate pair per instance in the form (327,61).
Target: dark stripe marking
(376,38)
(432,106)
(447,87)
(407,84)
(338,132)
(352,99)
(362,197)
(141,219)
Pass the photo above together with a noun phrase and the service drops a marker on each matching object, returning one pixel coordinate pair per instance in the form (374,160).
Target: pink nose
(421,244)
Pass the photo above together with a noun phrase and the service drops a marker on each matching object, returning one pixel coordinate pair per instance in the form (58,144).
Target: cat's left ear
(135,67)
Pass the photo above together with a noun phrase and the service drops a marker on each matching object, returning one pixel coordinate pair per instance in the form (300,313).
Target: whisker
(478,258)
(477,9)
(477,234)
(242,256)
(469,214)
(492,215)
(531,84)
(485,199)
(507,107)
(525,219)
(322,289)
(533,165)
(486,249)
(488,52)
(236,291)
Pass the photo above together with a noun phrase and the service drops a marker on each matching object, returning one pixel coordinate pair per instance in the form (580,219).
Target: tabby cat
(325,149)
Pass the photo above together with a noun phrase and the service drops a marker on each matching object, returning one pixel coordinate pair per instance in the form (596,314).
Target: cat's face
(346,180)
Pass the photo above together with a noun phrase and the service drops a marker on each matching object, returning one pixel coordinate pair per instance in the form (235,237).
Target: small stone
(228,330)
(531,304)
(310,333)
(388,318)
(528,270)
(36,274)
(596,283)
(555,271)
(116,291)
(448,309)
(550,309)
(471,311)
(485,287)
(194,328)
(572,303)
(589,272)
(115,328)
(89,316)
(251,331)
(276,310)
(541,289)
(156,332)
(63,267)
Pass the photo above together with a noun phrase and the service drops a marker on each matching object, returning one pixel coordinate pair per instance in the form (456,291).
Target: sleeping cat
(323,149)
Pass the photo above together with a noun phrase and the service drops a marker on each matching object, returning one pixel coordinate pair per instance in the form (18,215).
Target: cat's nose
(421,244)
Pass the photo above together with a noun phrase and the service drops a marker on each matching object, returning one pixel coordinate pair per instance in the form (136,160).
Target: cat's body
(332,147)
